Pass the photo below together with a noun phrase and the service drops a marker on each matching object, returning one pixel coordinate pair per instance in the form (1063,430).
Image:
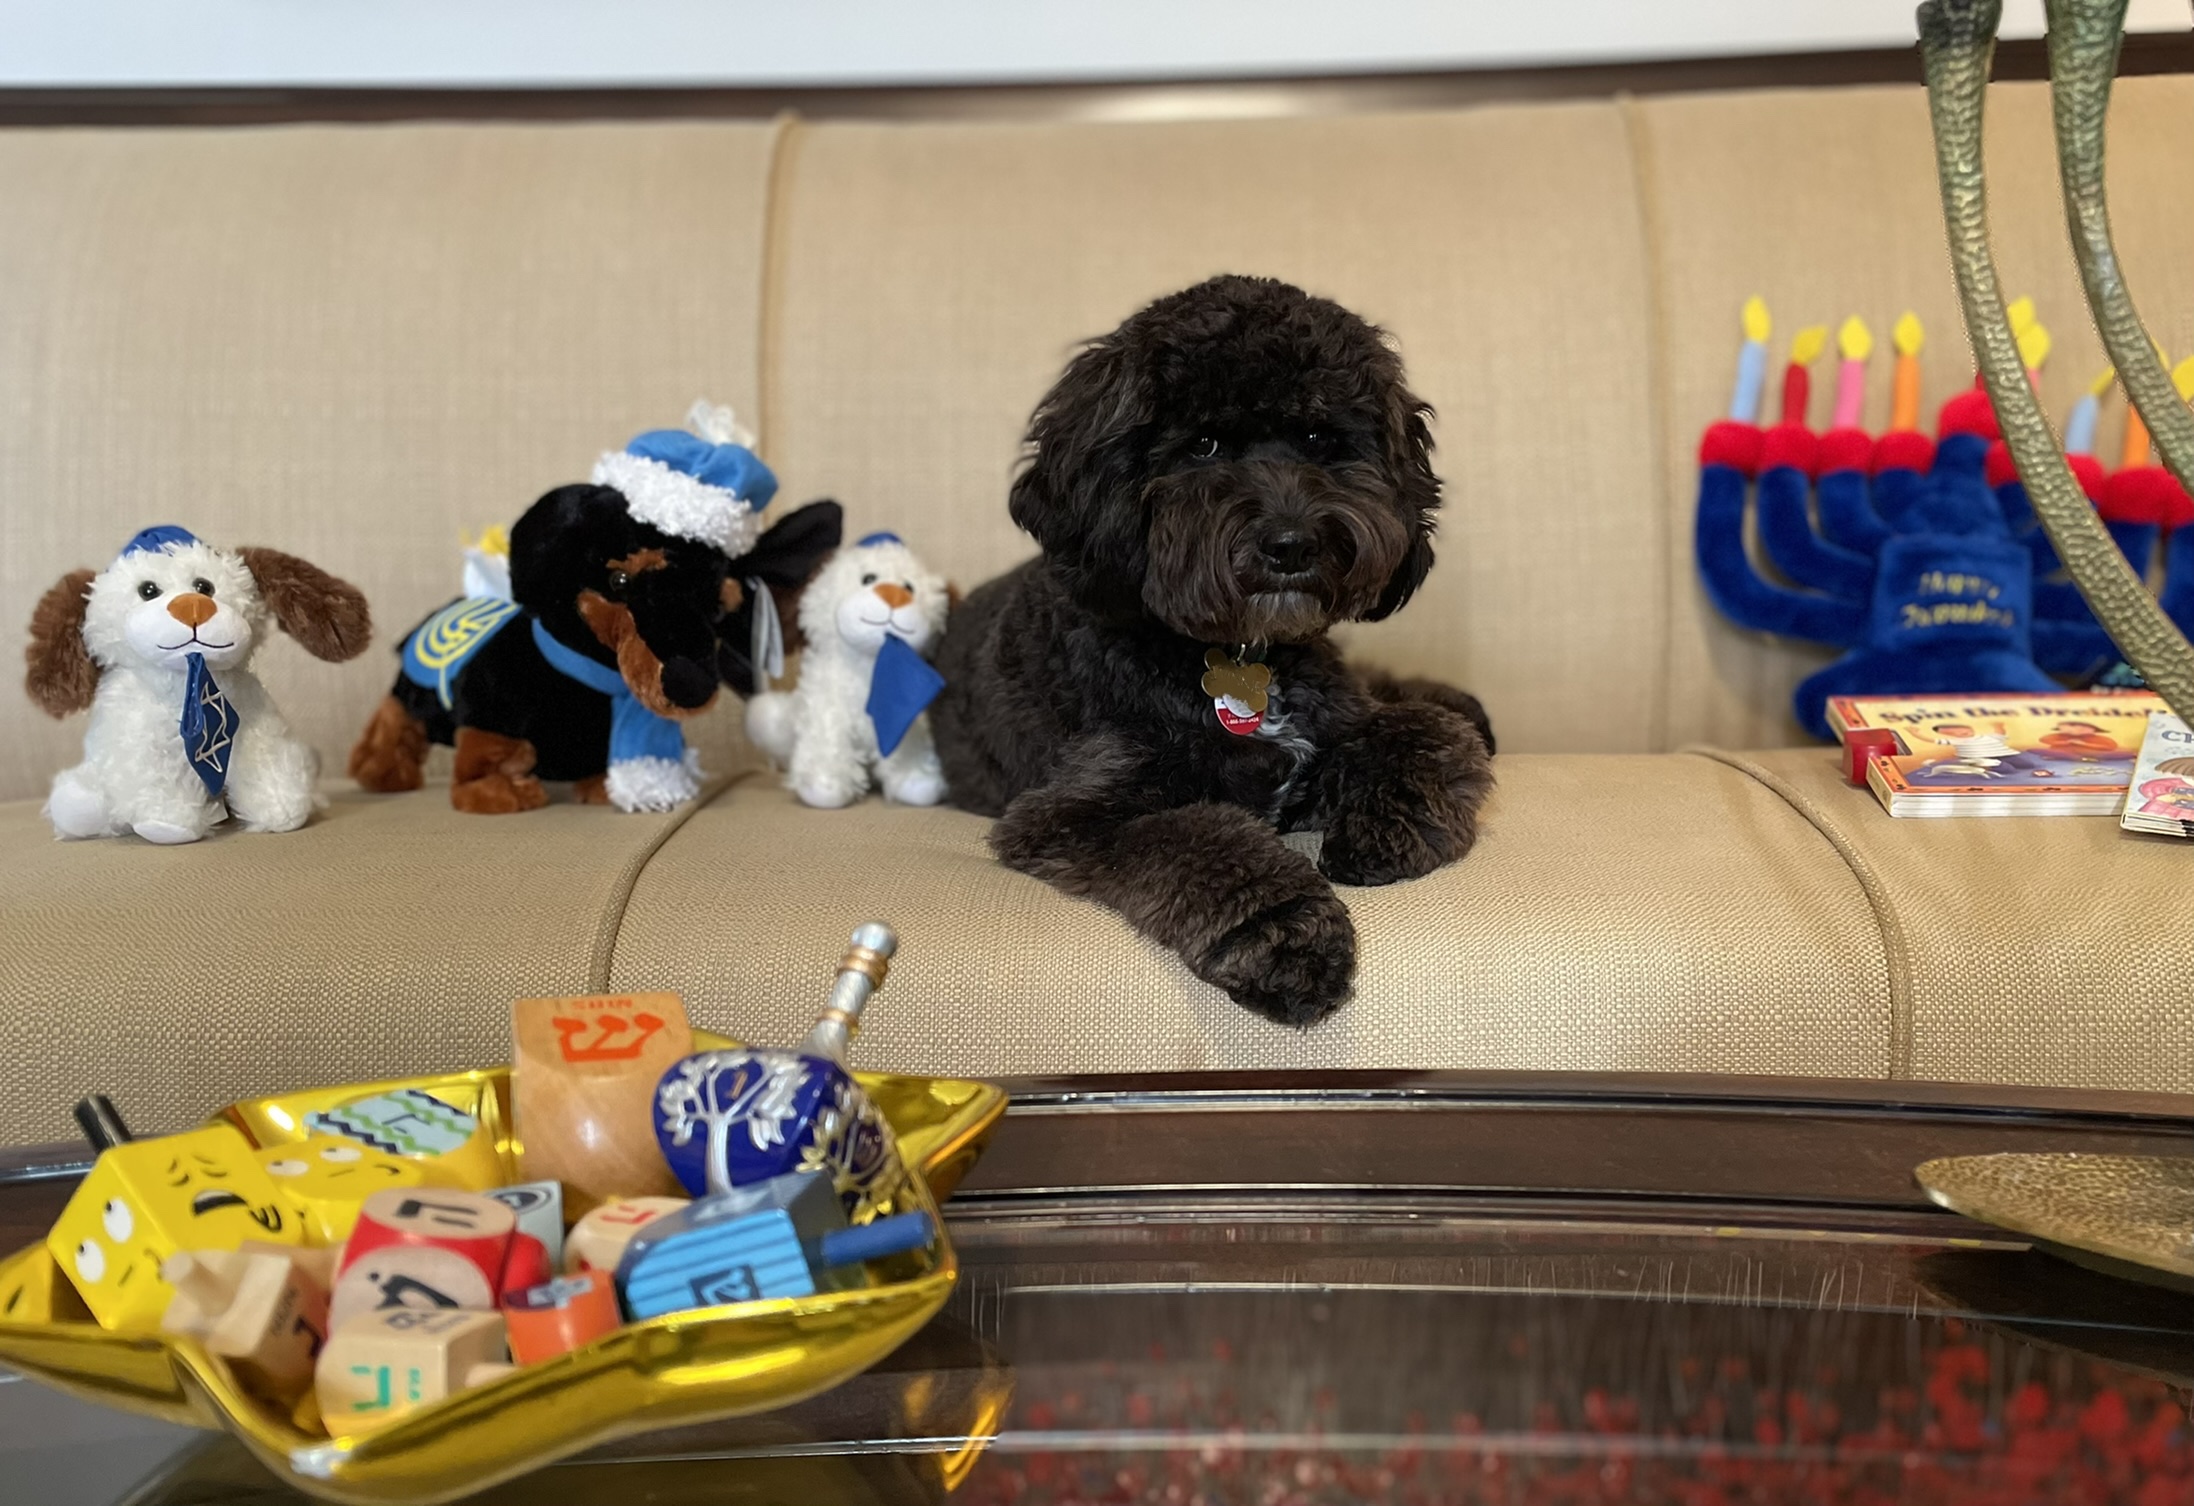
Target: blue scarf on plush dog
(634,731)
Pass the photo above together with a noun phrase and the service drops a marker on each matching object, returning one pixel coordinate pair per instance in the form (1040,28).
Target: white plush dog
(182,735)
(869,616)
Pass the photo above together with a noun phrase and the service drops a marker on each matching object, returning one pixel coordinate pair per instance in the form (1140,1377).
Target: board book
(2162,797)
(2001,755)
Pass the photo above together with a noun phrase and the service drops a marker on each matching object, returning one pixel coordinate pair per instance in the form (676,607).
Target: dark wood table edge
(1297,1091)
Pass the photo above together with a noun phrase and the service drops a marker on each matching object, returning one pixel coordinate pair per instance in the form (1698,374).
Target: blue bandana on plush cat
(209,722)
(903,683)
(636,734)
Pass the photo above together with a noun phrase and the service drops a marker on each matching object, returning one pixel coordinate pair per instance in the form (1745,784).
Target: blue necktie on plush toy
(209,725)
(900,689)
(634,731)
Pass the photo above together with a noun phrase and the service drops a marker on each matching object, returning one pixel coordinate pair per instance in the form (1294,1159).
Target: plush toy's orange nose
(895,596)
(191,609)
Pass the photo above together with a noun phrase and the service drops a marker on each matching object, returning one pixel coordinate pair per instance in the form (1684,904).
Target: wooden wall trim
(1172,100)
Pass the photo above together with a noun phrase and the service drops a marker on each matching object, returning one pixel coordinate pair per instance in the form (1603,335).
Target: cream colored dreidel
(597,1242)
(582,1083)
(259,1310)
(377,1367)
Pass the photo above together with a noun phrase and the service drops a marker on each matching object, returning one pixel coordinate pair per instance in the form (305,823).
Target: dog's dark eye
(202,586)
(618,580)
(869,579)
(147,589)
(1203,447)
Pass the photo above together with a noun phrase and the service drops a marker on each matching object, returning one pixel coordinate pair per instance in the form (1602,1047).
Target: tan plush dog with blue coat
(158,647)
(857,718)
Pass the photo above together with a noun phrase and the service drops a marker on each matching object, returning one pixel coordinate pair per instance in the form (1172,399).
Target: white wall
(781,42)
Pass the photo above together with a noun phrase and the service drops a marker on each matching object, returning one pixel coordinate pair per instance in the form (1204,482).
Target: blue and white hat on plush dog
(706,485)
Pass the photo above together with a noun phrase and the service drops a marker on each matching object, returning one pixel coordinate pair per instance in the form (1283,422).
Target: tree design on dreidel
(733,1118)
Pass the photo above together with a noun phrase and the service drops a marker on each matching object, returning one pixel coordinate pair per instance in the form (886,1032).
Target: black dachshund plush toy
(1151,701)
(632,601)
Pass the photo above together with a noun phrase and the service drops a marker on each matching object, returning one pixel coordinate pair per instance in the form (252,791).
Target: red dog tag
(1237,719)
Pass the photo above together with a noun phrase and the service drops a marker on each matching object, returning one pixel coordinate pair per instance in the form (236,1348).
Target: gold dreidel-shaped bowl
(681,1368)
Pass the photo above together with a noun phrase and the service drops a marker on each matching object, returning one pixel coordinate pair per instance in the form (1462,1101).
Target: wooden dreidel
(324,1181)
(259,1311)
(737,1117)
(373,1369)
(559,1316)
(423,1248)
(597,1242)
(146,1199)
(582,1086)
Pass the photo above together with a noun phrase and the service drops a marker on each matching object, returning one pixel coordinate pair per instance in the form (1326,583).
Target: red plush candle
(1797,381)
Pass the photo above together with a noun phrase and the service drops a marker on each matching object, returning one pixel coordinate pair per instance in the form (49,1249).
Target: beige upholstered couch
(359,343)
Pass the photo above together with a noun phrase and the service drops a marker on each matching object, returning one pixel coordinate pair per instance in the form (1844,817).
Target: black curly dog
(1240,465)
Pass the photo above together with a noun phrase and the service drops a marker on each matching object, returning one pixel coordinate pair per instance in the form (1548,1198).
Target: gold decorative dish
(681,1368)
(2130,1216)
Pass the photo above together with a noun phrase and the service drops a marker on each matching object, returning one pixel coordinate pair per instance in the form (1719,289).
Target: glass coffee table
(1419,1288)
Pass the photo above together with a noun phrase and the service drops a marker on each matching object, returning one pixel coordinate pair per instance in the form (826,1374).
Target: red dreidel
(559,1316)
(426,1247)
(526,1267)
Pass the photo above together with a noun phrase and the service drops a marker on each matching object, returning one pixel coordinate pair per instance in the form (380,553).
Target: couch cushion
(930,280)
(386,938)
(1621,913)
(2044,950)
(353,344)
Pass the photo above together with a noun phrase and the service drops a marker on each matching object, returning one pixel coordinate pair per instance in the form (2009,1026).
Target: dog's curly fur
(1238,464)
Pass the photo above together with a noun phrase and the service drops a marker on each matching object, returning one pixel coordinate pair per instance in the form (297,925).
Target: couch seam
(1645,196)
(785,132)
(610,928)
(1896,947)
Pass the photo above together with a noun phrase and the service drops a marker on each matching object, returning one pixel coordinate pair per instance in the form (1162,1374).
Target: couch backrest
(360,343)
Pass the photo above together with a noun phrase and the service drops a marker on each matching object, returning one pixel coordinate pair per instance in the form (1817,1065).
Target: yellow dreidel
(144,1200)
(323,1180)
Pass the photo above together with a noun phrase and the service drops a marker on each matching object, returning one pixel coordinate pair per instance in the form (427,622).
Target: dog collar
(1240,691)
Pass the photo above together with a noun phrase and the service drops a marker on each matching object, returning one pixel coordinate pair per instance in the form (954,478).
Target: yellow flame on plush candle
(1906,334)
(1807,344)
(1757,325)
(2182,377)
(2021,315)
(1854,340)
(2101,384)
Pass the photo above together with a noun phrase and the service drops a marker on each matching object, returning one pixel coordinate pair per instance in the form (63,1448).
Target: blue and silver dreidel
(744,1245)
(729,1119)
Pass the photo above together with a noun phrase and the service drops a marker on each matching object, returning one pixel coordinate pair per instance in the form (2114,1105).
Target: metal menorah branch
(1957,40)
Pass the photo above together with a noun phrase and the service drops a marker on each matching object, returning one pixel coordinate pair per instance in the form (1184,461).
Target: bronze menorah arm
(1957,40)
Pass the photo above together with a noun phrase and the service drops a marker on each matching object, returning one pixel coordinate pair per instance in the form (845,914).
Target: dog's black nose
(1288,550)
(686,683)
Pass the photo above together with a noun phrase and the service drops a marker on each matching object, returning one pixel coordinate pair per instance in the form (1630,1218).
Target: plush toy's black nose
(1288,550)
(686,683)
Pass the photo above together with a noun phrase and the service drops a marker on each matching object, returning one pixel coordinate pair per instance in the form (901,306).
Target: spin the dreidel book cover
(2002,755)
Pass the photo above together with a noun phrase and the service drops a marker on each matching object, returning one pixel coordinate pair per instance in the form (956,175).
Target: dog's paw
(1291,963)
(1408,798)
(922,787)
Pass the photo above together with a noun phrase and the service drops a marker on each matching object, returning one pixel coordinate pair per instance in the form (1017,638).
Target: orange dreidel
(426,1247)
(376,1368)
(559,1316)
(597,1242)
(582,1084)
(260,1311)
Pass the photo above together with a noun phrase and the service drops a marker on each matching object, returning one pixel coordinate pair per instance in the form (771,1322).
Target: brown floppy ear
(62,675)
(328,616)
(953,598)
